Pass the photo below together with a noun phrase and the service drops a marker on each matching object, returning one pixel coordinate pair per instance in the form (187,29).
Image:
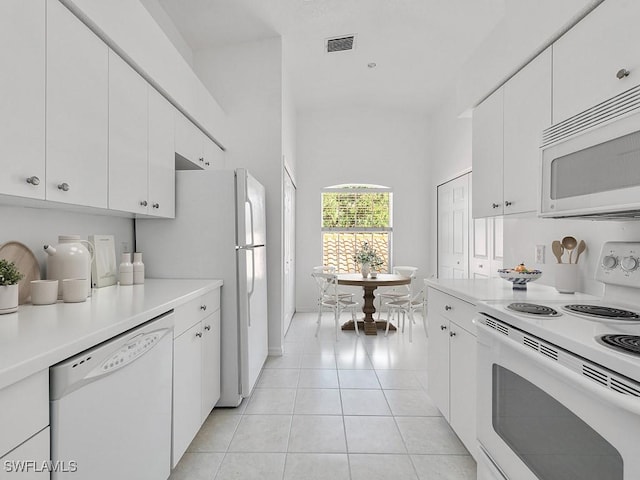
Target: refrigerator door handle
(253,279)
(251,218)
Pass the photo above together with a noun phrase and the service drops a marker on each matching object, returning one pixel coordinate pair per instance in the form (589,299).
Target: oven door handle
(611,398)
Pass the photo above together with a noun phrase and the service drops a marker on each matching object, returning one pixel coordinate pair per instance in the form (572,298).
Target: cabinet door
(463,386)
(128,119)
(189,141)
(487,137)
(527,111)
(587,58)
(77,111)
(438,361)
(162,184)
(22,81)
(187,391)
(210,363)
(36,449)
(213,154)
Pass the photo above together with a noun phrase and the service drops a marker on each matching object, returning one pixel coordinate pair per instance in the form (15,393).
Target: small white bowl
(44,292)
(74,290)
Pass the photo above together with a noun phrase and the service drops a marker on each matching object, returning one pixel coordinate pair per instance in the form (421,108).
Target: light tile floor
(355,409)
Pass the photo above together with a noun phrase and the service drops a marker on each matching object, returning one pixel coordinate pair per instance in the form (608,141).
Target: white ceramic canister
(69,259)
(125,270)
(138,269)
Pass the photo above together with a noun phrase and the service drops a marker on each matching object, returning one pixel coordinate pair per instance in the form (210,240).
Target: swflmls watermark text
(24,466)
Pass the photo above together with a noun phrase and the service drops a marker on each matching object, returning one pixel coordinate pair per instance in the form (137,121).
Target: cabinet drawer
(24,410)
(452,308)
(192,312)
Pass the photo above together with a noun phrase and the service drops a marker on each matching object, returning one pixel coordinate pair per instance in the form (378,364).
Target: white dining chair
(407,307)
(401,291)
(329,297)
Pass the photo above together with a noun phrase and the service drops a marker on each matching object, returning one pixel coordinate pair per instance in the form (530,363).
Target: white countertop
(36,337)
(475,290)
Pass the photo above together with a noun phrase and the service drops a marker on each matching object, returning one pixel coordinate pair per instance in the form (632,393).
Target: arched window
(351,215)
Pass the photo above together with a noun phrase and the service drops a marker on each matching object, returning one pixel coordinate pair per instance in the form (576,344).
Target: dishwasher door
(111,407)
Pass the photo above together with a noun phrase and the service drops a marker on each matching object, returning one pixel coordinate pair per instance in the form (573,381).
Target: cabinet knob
(207,163)
(480,266)
(64,187)
(448,307)
(508,204)
(623,72)
(452,334)
(207,327)
(201,159)
(156,205)
(443,327)
(198,334)
(33,180)
(495,205)
(203,307)
(143,203)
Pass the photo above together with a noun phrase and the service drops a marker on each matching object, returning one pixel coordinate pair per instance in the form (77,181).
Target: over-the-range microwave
(591,162)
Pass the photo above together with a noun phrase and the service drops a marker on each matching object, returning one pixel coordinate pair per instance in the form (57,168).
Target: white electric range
(559,381)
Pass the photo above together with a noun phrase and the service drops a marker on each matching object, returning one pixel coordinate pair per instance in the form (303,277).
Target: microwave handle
(626,402)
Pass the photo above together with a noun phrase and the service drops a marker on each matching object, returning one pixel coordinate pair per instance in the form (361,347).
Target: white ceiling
(419,46)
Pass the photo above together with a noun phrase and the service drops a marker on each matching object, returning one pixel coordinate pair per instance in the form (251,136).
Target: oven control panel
(619,264)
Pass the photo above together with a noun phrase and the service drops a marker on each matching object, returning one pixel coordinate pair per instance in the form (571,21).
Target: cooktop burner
(600,311)
(627,343)
(533,309)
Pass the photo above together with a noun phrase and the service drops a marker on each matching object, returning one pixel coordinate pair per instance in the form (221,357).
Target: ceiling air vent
(341,44)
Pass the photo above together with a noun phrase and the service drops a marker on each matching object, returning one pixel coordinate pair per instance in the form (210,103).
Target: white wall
(361,145)
(36,227)
(450,155)
(246,78)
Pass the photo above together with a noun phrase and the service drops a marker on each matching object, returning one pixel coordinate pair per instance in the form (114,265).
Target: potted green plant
(9,278)
(367,257)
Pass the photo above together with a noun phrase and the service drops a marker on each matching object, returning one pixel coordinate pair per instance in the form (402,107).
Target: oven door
(539,420)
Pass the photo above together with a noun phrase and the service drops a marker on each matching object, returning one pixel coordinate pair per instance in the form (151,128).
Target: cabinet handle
(443,327)
(207,327)
(452,334)
(33,180)
(203,307)
(198,334)
(143,203)
(508,204)
(156,205)
(64,187)
(495,205)
(448,307)
(623,72)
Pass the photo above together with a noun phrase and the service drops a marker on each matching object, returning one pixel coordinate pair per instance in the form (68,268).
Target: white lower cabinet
(196,368)
(24,420)
(451,367)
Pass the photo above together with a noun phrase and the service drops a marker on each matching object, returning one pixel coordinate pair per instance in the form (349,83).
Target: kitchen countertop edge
(41,339)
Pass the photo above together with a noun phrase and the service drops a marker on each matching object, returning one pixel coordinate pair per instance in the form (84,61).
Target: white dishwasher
(111,407)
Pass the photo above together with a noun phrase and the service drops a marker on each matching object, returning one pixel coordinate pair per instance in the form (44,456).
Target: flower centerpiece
(9,278)
(367,258)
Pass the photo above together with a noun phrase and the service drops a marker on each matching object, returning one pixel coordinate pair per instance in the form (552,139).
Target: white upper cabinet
(527,111)
(128,125)
(212,153)
(161,153)
(22,81)
(507,133)
(76,112)
(487,145)
(188,141)
(589,58)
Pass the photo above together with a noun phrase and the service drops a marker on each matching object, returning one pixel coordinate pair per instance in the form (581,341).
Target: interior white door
(453,228)
(289,250)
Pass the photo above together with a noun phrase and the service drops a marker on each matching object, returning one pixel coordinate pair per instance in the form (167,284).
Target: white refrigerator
(219,232)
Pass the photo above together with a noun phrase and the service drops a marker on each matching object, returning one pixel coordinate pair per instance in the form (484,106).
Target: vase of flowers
(9,278)
(368,259)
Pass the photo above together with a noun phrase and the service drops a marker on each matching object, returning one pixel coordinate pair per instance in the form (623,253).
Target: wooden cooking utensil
(557,249)
(569,243)
(581,248)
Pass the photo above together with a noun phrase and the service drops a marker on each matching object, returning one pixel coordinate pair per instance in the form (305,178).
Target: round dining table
(369,285)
